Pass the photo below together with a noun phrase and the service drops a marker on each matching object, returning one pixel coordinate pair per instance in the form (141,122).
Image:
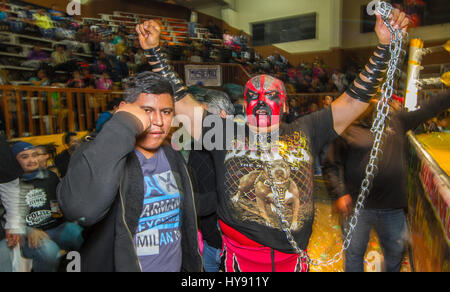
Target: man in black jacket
(387,201)
(132,190)
(202,168)
(71,142)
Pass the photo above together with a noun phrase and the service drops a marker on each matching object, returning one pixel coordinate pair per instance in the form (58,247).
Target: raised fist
(148,33)
(138,113)
(398,20)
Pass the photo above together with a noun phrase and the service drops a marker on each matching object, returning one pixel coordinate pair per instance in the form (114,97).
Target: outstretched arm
(428,109)
(350,105)
(188,110)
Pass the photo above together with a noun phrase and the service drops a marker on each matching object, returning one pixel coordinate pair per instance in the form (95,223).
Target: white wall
(214,11)
(353,38)
(328,12)
(339,22)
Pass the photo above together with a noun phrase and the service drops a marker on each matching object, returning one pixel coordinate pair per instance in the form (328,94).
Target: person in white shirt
(10,223)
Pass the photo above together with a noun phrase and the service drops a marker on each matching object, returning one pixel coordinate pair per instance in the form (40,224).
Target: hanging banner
(204,75)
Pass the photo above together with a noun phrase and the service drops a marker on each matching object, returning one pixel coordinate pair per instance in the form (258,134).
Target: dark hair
(49,149)
(218,101)
(42,70)
(113,103)
(67,136)
(147,82)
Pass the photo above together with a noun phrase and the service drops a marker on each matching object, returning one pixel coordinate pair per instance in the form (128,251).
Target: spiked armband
(374,71)
(159,63)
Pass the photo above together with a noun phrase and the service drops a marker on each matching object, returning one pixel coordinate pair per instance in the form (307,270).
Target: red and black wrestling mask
(264,99)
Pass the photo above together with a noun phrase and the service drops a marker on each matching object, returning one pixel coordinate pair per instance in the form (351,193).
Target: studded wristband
(374,72)
(158,61)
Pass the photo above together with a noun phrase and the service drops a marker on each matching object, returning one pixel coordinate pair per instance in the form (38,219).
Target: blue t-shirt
(102,119)
(158,236)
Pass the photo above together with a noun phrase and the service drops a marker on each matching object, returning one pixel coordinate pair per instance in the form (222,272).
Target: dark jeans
(392,231)
(5,257)
(211,258)
(46,258)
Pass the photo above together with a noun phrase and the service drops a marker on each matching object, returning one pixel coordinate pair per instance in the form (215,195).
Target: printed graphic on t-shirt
(255,178)
(160,220)
(36,199)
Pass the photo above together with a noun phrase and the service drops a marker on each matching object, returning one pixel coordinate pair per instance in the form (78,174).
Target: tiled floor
(326,240)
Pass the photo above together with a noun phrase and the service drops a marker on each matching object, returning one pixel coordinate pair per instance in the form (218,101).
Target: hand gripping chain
(384,9)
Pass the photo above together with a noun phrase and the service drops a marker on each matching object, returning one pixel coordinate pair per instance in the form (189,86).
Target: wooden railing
(305,100)
(34,111)
(31,111)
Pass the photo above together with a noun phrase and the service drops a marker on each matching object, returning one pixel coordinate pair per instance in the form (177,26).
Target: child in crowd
(104,83)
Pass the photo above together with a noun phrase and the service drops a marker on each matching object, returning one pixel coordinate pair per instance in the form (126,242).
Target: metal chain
(379,125)
(283,222)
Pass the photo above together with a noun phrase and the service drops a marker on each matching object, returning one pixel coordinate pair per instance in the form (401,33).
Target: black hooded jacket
(347,157)
(9,167)
(104,191)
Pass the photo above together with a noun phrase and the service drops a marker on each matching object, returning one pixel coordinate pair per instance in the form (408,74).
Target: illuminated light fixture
(445,78)
(416,52)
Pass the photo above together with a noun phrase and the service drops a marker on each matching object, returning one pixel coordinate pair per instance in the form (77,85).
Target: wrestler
(254,239)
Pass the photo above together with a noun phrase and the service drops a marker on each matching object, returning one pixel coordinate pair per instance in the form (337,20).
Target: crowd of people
(315,77)
(115,54)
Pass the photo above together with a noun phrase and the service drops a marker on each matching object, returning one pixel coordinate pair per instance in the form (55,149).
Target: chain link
(378,127)
(285,226)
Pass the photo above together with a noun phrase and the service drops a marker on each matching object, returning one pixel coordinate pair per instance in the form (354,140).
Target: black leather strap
(365,90)
(383,51)
(370,86)
(379,61)
(378,72)
(161,66)
(372,77)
